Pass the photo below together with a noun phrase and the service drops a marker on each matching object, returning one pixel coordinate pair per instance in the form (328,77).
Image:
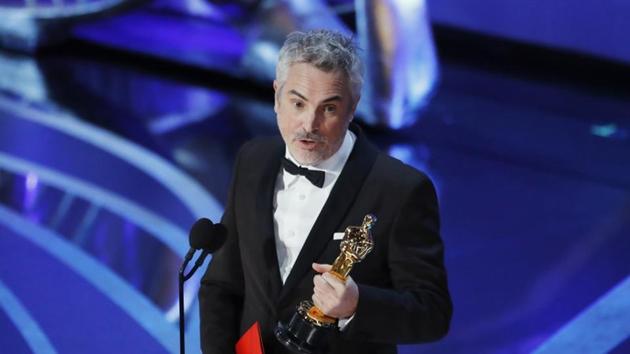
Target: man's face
(314,109)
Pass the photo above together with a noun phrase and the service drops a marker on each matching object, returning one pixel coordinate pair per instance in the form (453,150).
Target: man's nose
(311,121)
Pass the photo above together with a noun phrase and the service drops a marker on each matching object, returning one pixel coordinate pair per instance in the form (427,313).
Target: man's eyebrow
(332,98)
(329,99)
(298,94)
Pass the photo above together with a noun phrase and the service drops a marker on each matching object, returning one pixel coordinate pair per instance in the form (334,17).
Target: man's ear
(276,93)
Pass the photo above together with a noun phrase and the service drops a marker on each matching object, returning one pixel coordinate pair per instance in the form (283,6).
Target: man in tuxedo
(290,195)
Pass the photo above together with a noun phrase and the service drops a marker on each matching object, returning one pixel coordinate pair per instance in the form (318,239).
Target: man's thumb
(321,268)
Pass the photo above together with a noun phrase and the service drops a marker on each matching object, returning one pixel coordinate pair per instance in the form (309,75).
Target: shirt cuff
(343,322)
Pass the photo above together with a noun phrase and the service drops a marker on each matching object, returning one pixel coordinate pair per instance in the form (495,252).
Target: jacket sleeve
(221,289)
(417,308)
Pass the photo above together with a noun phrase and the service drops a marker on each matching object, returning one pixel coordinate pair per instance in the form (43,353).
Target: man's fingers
(321,302)
(322,286)
(336,283)
(329,283)
(332,295)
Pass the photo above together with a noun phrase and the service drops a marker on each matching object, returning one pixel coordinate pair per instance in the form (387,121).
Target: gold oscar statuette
(309,328)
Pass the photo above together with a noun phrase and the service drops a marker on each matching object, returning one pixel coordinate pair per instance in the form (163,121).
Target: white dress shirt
(297,204)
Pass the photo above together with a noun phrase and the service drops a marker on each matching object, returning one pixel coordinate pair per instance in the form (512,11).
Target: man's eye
(330,109)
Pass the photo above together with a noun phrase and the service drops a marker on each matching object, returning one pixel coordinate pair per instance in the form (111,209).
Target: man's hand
(331,295)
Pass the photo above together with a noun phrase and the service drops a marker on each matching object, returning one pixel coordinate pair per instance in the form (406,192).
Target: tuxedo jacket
(403,294)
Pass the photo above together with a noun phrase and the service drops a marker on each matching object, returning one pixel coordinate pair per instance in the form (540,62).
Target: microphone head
(207,236)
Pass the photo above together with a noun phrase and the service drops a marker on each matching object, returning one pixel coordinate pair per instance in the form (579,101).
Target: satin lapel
(264,207)
(335,209)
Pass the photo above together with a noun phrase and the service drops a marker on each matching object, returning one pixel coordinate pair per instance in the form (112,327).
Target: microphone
(205,236)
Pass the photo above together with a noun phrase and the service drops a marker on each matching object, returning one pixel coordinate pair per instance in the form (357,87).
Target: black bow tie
(315,177)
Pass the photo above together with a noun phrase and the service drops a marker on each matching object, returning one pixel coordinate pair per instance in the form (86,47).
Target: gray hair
(327,50)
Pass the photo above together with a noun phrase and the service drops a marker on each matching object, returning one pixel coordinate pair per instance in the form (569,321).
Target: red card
(250,342)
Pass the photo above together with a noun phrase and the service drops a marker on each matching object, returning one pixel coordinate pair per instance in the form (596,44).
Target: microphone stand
(181,279)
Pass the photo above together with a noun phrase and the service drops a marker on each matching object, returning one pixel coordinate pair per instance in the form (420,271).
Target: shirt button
(302,196)
(291,233)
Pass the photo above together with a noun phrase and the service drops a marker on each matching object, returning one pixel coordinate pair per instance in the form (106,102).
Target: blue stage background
(119,133)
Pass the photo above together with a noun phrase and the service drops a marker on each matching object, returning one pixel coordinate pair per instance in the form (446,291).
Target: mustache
(304,135)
